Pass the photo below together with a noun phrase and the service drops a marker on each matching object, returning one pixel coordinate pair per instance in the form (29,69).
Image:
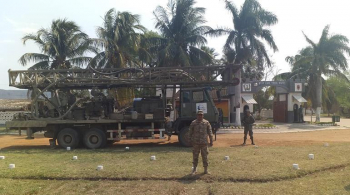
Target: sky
(20,17)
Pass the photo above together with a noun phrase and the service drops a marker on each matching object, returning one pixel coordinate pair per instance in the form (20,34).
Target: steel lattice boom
(126,77)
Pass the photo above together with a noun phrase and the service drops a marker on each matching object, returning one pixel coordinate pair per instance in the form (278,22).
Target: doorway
(295,111)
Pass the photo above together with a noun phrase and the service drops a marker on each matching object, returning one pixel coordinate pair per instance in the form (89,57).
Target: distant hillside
(13,94)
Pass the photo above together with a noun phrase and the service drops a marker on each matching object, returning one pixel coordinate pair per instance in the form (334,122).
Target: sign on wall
(246,87)
(298,87)
(202,106)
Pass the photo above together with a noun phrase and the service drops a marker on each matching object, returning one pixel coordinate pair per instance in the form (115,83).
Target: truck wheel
(184,137)
(68,137)
(95,138)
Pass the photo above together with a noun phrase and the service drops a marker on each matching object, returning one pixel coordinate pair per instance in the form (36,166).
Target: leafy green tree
(327,57)
(341,89)
(262,98)
(62,46)
(245,41)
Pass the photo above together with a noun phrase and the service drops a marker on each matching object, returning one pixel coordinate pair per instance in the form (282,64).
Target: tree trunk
(237,103)
(318,97)
(173,98)
(232,108)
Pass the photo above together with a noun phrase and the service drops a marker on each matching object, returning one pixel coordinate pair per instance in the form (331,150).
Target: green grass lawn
(250,170)
(2,129)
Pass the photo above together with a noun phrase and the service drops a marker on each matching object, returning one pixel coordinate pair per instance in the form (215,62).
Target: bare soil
(223,140)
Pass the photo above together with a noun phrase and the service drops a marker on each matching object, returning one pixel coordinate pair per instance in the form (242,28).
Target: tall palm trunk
(237,101)
(173,102)
(318,97)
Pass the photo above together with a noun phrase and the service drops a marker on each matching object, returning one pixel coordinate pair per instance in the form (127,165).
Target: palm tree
(119,42)
(250,23)
(62,46)
(244,42)
(182,30)
(147,55)
(213,54)
(327,57)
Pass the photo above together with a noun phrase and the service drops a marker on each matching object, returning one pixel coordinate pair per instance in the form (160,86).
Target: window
(186,97)
(197,96)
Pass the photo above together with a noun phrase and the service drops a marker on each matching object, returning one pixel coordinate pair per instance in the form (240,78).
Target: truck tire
(95,138)
(68,137)
(184,137)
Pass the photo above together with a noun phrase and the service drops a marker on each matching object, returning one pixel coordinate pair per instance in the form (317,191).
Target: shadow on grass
(188,179)
(347,188)
(21,147)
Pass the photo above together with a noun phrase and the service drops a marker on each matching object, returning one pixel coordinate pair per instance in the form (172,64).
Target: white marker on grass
(295,166)
(2,157)
(227,158)
(75,157)
(153,157)
(68,148)
(311,156)
(12,166)
(99,167)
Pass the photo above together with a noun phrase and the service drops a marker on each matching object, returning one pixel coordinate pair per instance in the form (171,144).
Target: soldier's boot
(245,139)
(194,171)
(252,141)
(206,171)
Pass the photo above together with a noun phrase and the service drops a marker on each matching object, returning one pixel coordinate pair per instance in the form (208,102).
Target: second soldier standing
(248,121)
(200,130)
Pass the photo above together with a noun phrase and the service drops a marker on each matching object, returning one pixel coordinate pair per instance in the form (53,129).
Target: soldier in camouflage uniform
(248,121)
(200,129)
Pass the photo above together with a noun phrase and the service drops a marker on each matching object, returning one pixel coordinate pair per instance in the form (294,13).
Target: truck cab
(192,100)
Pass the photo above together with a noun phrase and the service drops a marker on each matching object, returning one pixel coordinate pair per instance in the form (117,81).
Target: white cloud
(6,41)
(12,22)
(23,27)
(27,30)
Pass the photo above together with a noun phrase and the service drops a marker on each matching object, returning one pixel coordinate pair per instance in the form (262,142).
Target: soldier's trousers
(246,130)
(203,149)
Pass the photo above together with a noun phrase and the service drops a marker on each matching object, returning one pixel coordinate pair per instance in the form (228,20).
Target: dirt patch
(223,140)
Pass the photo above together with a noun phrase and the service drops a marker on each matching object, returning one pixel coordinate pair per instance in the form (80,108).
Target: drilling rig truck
(71,120)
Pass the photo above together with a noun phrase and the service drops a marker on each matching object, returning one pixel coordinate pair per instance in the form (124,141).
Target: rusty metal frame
(40,81)
(110,78)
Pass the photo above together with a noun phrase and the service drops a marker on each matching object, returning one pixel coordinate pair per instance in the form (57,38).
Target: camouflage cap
(200,112)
